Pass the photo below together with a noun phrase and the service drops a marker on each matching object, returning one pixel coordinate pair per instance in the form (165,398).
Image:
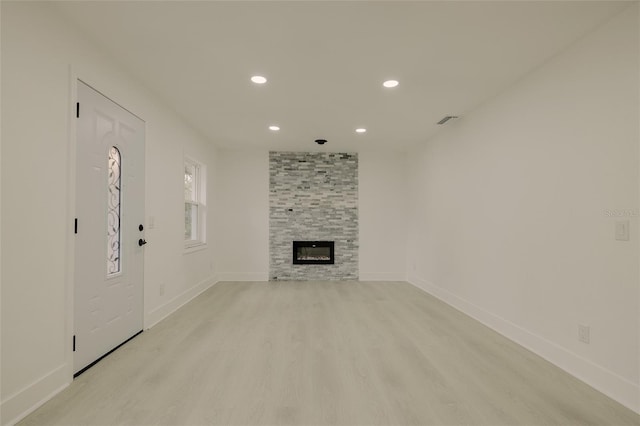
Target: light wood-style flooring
(325,353)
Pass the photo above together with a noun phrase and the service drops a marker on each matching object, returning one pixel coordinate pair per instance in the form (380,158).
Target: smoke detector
(321,141)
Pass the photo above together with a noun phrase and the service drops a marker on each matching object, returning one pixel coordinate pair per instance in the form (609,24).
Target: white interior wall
(382,215)
(40,56)
(510,210)
(242,215)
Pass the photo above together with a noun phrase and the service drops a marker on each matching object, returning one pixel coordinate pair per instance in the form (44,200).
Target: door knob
(141,242)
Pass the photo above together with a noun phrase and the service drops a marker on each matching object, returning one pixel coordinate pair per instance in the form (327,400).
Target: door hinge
(77,109)
(74,343)
(75,226)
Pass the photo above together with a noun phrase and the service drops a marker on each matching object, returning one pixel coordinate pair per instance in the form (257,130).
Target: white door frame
(76,74)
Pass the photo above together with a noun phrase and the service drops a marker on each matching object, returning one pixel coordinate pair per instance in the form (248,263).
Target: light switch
(622,230)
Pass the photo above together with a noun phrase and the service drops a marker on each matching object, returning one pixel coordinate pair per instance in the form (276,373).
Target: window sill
(195,247)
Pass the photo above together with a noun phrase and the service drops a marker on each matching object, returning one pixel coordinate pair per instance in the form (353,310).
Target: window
(194,203)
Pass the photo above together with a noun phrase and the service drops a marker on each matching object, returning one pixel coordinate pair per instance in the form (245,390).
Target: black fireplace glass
(313,252)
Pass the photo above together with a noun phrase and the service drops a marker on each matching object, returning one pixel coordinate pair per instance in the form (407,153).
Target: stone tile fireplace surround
(313,197)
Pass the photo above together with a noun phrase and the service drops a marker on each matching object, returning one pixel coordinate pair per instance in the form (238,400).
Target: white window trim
(200,243)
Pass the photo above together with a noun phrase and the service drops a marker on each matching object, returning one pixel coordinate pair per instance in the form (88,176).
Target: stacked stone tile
(313,197)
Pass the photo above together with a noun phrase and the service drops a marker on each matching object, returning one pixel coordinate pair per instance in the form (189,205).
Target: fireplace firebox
(313,253)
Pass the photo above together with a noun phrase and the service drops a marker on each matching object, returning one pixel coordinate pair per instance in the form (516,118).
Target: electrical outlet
(584,333)
(161,289)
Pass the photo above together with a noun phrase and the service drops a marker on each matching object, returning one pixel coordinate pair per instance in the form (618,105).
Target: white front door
(108,296)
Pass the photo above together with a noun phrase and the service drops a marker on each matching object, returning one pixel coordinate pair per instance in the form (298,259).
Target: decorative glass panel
(113,212)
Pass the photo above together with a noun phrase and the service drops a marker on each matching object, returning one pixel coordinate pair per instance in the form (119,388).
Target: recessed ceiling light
(361,130)
(390,83)
(258,79)
(274,128)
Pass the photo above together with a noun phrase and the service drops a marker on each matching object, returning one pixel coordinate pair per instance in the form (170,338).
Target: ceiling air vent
(447,118)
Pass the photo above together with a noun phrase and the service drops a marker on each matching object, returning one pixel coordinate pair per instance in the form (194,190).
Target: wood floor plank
(325,353)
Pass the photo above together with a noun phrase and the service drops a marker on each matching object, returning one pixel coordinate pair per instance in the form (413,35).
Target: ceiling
(325,62)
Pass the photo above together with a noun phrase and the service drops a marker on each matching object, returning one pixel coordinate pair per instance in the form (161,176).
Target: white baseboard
(243,276)
(382,276)
(20,404)
(161,312)
(609,383)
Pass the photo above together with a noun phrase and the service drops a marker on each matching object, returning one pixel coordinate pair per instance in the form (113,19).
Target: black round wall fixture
(321,141)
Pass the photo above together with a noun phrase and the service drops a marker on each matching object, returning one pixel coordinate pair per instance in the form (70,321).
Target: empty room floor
(325,353)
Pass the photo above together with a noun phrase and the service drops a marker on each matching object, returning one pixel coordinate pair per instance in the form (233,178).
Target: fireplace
(313,253)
